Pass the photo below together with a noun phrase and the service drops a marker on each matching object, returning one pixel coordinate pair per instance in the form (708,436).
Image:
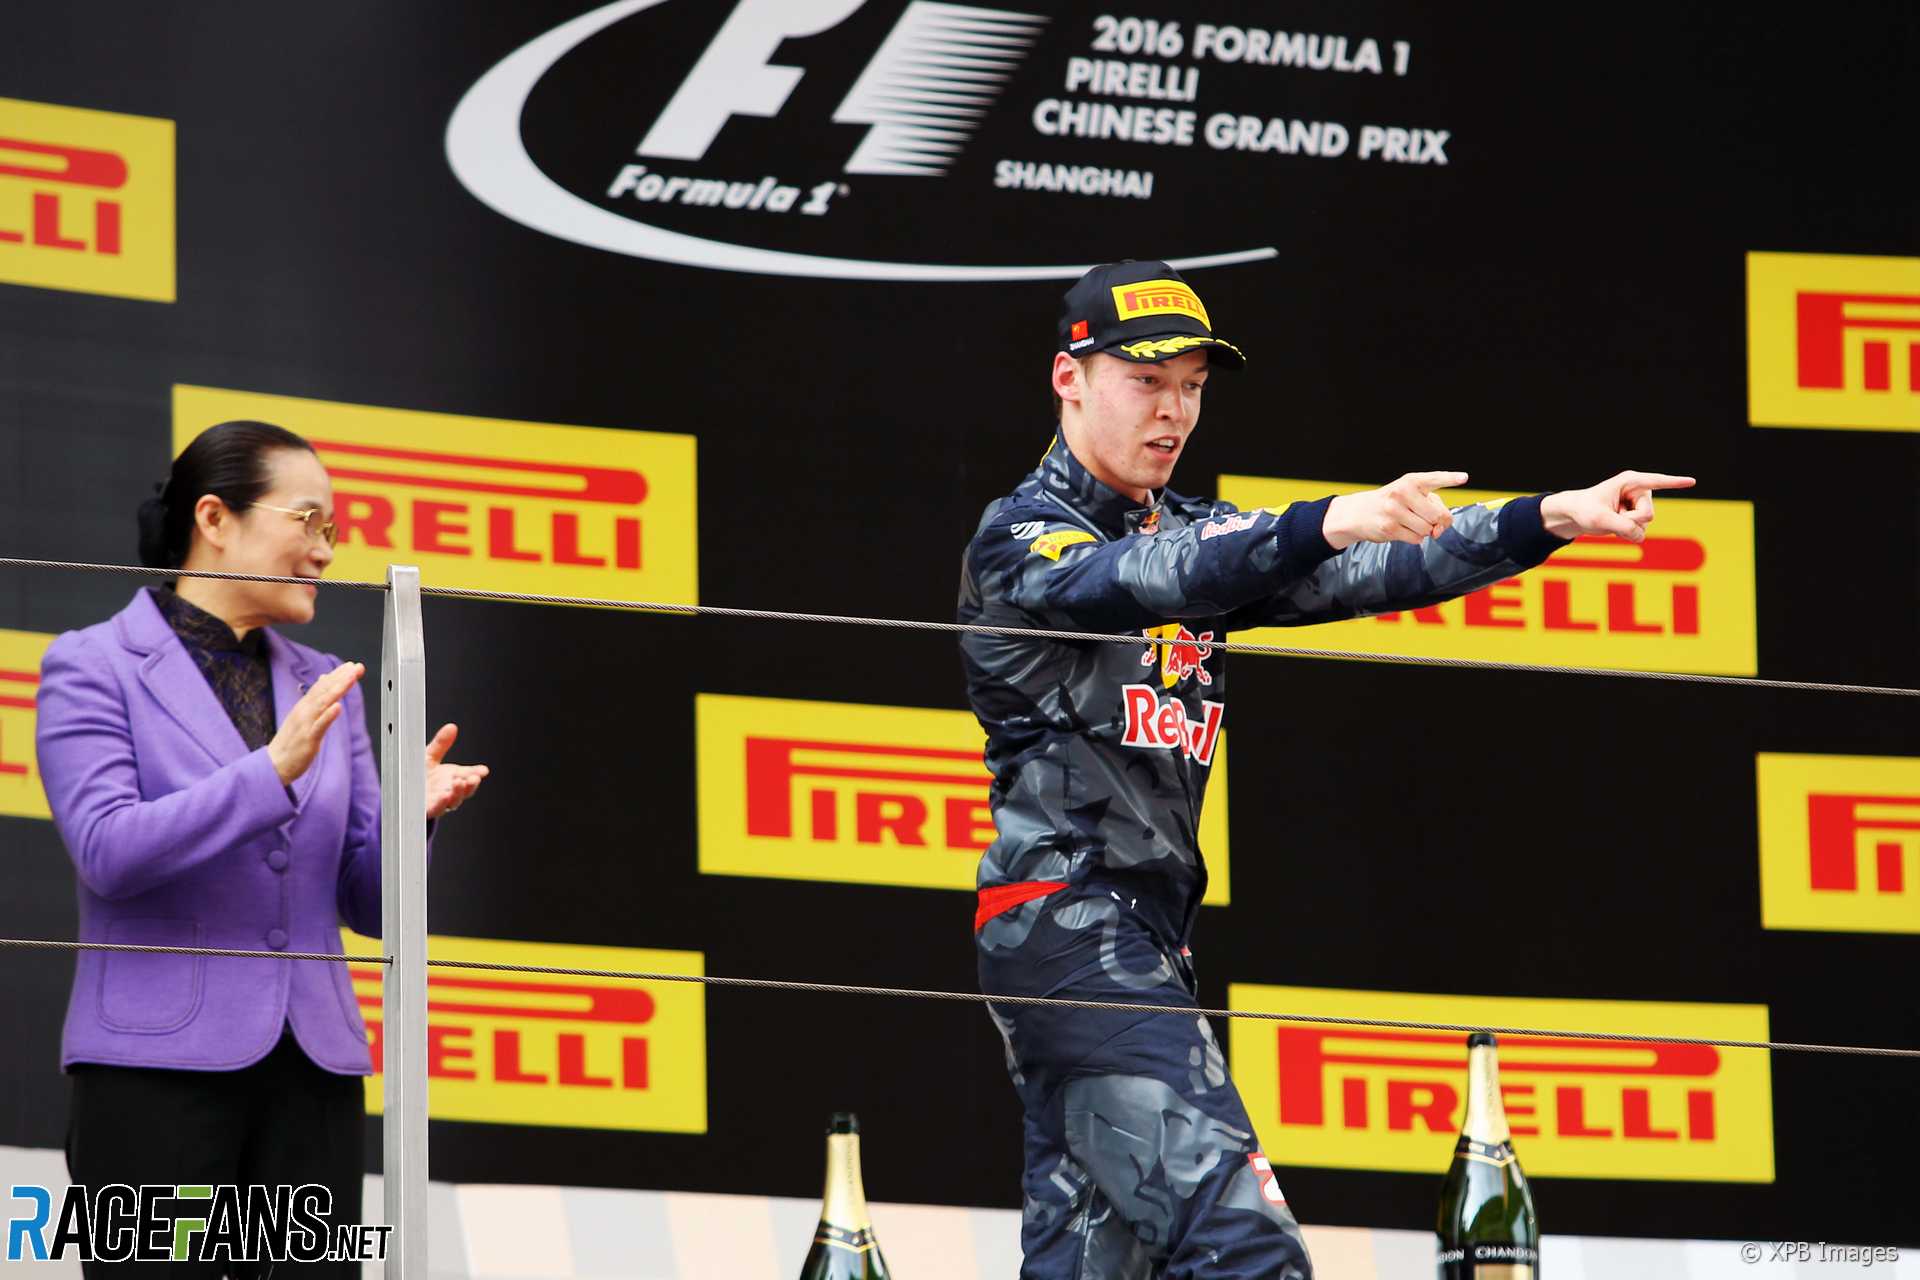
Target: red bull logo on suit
(1186,656)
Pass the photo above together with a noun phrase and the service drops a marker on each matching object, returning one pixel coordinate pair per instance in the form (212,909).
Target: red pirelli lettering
(1834,827)
(624,1003)
(64,166)
(620,486)
(881,814)
(1423,1074)
(571,1058)
(1822,321)
(19,689)
(50,162)
(1505,604)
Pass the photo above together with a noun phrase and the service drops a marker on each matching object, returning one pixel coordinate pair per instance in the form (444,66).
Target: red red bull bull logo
(1156,725)
(1185,656)
(86,201)
(1239,522)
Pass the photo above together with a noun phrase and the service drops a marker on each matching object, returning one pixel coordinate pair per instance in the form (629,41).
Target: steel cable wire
(52,944)
(686,610)
(147,571)
(975,628)
(976,997)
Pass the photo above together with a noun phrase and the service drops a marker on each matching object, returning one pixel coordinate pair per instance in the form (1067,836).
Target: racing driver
(1140,1159)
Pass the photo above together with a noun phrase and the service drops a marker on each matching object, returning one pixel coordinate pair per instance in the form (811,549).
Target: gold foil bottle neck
(844,1203)
(1486,1121)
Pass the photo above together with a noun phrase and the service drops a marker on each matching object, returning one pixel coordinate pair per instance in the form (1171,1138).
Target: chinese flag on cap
(1079,330)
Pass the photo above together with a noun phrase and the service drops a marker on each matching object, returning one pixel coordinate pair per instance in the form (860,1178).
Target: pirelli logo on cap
(1839,842)
(86,201)
(21,794)
(489,503)
(1683,600)
(561,1052)
(1375,1098)
(863,794)
(1158,297)
(1833,341)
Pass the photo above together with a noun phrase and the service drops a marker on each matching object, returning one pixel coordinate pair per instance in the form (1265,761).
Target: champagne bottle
(844,1247)
(1486,1225)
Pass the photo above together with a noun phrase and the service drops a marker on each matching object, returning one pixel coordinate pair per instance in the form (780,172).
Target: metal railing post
(403,923)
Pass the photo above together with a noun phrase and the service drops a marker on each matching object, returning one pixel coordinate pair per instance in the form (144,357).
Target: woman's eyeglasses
(310,516)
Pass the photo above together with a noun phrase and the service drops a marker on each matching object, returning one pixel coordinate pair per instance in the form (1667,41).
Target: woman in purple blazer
(215,786)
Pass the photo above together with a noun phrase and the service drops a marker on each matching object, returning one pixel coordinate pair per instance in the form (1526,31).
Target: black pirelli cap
(1140,311)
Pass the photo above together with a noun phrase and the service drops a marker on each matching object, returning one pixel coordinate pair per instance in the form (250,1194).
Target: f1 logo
(735,77)
(941,64)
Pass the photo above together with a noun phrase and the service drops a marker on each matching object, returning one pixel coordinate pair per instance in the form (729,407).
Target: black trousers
(283,1119)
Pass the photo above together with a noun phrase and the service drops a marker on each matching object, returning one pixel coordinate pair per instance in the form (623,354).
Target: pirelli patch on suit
(1051,545)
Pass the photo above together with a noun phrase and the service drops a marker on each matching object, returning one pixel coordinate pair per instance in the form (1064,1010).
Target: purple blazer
(183,837)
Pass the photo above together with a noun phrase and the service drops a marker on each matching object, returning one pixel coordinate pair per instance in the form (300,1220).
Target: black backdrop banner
(751,305)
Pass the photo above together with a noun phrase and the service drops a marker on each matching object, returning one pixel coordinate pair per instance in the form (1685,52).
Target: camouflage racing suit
(1140,1159)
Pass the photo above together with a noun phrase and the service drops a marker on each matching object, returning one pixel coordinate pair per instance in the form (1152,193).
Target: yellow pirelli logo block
(1839,842)
(1387,1099)
(560,1052)
(490,503)
(21,792)
(86,201)
(1833,341)
(1683,600)
(1158,297)
(864,794)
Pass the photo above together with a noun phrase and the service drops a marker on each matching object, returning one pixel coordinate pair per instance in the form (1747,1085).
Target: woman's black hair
(229,461)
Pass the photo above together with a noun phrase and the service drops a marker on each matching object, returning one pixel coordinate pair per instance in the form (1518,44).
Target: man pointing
(1140,1159)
